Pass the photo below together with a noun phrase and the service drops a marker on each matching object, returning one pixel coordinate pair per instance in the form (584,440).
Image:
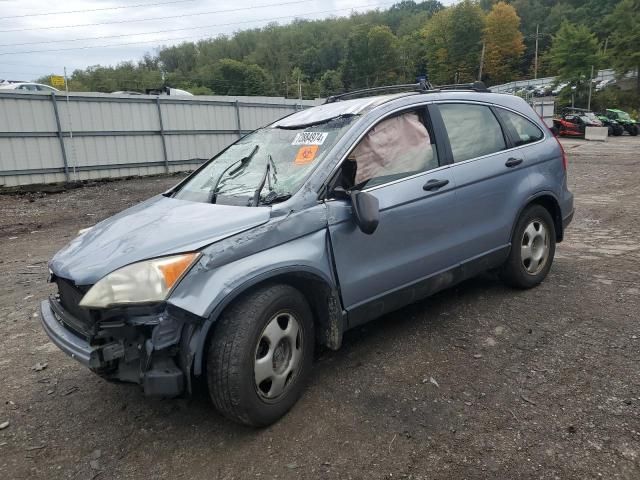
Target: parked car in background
(612,125)
(542,90)
(574,121)
(27,87)
(156,91)
(558,88)
(624,119)
(604,84)
(301,230)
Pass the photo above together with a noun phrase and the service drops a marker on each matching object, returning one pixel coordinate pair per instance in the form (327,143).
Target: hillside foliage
(385,46)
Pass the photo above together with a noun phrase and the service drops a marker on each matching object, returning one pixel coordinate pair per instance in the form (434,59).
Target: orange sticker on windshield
(306,154)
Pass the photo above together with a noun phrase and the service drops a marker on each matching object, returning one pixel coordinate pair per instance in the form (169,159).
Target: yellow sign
(57,81)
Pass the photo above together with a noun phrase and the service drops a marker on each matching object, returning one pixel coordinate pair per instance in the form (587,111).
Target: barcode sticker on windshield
(310,138)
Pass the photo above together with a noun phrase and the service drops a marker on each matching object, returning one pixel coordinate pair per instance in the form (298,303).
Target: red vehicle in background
(574,121)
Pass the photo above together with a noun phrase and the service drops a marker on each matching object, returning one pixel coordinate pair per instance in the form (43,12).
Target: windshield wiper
(244,161)
(270,165)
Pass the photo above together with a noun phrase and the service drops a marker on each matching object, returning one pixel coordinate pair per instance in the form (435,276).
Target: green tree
(230,77)
(382,46)
(436,42)
(573,52)
(503,43)
(624,43)
(453,42)
(330,83)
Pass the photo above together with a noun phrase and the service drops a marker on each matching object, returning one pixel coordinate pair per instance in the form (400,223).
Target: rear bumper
(133,358)
(567,220)
(72,345)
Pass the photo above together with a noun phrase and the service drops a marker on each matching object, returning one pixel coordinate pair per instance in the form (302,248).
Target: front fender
(206,292)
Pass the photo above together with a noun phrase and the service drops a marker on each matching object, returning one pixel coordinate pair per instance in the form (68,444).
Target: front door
(408,256)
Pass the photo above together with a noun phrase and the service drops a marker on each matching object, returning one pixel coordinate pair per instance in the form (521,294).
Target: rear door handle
(434,184)
(512,162)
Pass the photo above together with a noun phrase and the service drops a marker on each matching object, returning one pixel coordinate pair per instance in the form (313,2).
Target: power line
(96,9)
(183,15)
(141,33)
(85,47)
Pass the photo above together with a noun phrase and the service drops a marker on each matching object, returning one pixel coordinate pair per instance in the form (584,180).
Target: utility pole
(535,61)
(481,62)
(590,87)
(606,43)
(299,88)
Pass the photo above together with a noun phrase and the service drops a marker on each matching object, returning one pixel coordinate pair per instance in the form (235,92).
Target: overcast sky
(38,25)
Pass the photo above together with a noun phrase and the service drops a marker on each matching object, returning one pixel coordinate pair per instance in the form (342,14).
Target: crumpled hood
(156,227)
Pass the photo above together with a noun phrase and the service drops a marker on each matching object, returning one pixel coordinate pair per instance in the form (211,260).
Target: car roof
(320,113)
(361,106)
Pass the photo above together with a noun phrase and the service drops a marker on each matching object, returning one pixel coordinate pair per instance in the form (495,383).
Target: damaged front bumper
(153,350)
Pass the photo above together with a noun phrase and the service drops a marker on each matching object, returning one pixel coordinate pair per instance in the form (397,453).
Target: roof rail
(421,87)
(408,87)
(475,86)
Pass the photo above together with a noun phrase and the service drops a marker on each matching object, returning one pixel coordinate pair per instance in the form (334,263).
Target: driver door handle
(434,184)
(512,162)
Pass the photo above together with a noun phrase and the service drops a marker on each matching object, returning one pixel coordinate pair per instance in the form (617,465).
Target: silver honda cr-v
(301,230)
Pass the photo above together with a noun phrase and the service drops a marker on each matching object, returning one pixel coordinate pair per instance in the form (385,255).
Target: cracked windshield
(266,166)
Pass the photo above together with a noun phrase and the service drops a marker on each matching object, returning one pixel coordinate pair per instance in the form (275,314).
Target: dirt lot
(537,384)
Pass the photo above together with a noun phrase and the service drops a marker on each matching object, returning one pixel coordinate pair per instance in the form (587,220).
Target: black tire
(234,346)
(618,130)
(514,272)
(555,131)
(633,130)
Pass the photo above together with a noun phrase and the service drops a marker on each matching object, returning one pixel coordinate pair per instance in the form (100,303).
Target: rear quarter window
(525,130)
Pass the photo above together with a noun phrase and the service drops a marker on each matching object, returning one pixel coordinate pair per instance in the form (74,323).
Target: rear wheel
(618,130)
(260,355)
(533,247)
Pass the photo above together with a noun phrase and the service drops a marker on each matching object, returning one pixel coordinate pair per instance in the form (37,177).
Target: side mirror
(366,211)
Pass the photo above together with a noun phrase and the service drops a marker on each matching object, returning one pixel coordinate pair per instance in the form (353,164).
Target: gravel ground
(537,384)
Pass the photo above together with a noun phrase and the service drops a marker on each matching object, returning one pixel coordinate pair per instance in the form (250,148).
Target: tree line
(395,45)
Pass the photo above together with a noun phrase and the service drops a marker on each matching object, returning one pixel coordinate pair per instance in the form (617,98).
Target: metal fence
(47,138)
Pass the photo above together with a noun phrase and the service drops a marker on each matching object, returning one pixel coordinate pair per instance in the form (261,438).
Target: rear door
(491,182)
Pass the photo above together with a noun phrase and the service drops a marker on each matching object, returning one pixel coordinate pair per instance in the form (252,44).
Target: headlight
(143,282)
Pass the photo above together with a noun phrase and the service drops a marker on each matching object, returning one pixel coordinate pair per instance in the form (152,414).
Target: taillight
(564,154)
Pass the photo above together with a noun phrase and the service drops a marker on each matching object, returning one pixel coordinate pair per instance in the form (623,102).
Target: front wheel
(633,130)
(260,355)
(533,247)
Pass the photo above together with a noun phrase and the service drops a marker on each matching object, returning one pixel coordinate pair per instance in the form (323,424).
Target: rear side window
(473,130)
(525,130)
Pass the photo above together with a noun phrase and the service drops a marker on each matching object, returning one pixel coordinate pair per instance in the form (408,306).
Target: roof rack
(422,87)
(407,87)
(475,86)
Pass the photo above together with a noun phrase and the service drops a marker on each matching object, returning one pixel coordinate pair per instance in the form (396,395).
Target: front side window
(473,130)
(282,157)
(525,130)
(396,147)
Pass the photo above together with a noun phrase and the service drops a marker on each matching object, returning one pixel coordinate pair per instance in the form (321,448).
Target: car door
(491,179)
(407,257)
